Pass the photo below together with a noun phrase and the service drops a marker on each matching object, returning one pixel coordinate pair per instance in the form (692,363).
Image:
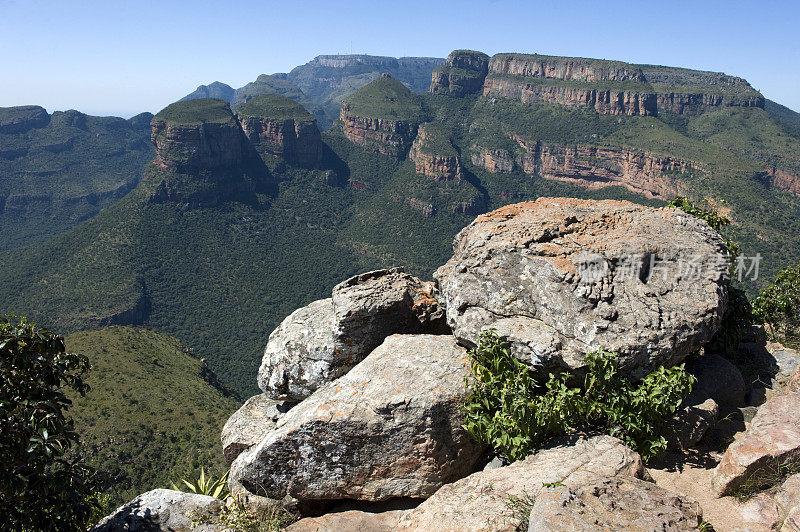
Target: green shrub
(507,410)
(778,304)
(40,489)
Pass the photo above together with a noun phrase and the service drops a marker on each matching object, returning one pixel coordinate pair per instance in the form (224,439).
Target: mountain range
(252,207)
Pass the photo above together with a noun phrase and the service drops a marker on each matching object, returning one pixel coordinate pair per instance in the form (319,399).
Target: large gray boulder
(388,428)
(162,510)
(720,379)
(559,277)
(323,340)
(250,424)
(496,500)
(617,503)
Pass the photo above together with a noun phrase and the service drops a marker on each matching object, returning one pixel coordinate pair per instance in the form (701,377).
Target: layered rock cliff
(604,101)
(382,117)
(197,134)
(463,73)
(590,167)
(279,127)
(433,154)
(614,87)
(783,180)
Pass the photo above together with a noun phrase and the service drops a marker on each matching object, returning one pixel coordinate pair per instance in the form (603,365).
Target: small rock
(788,496)
(792,521)
(761,510)
(323,340)
(720,379)
(250,424)
(690,424)
(770,443)
(495,500)
(614,504)
(349,521)
(390,427)
(162,510)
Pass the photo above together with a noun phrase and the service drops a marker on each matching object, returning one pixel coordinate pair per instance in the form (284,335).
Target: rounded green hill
(274,107)
(197,111)
(385,98)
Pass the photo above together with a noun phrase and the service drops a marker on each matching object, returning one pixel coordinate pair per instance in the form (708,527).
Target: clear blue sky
(122,58)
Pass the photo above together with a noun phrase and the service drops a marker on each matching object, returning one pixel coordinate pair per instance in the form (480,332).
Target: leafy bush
(39,488)
(507,410)
(778,304)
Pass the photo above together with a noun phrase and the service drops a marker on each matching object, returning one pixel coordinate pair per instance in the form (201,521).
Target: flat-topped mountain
(281,127)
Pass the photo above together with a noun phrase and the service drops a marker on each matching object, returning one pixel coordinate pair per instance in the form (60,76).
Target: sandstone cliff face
(389,137)
(567,68)
(295,141)
(695,104)
(463,73)
(607,102)
(191,147)
(439,164)
(590,167)
(783,180)
(636,96)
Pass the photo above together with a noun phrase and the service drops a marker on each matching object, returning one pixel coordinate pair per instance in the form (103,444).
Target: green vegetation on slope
(385,98)
(266,84)
(153,412)
(64,168)
(275,107)
(201,110)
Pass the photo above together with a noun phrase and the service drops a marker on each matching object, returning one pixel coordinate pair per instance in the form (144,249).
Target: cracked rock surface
(560,276)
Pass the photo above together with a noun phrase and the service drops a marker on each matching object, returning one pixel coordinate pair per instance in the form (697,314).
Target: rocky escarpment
(463,73)
(577,275)
(604,101)
(783,180)
(614,87)
(434,155)
(590,167)
(197,134)
(279,127)
(22,118)
(382,117)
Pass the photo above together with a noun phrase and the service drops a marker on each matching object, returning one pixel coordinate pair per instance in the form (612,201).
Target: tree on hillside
(40,489)
(778,304)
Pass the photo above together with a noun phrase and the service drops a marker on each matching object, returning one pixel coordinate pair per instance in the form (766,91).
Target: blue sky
(126,57)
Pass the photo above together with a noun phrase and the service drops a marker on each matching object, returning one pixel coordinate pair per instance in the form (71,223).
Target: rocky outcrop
(560,277)
(22,118)
(296,141)
(385,136)
(349,521)
(463,73)
(210,140)
(162,510)
(250,424)
(770,445)
(480,502)
(604,101)
(323,340)
(613,504)
(388,428)
(434,155)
